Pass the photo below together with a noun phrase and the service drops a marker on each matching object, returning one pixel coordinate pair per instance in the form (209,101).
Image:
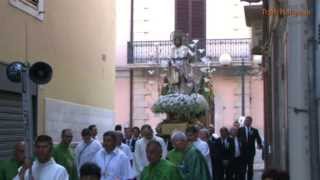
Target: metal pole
(242,88)
(130,57)
(27,115)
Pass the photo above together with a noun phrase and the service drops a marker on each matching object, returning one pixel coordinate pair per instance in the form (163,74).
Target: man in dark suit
(212,143)
(223,154)
(135,136)
(237,165)
(249,136)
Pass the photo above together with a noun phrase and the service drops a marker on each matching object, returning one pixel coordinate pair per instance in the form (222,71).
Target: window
(32,7)
(33,2)
(190,17)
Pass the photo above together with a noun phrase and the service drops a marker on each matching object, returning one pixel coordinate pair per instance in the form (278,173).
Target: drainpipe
(130,60)
(314,80)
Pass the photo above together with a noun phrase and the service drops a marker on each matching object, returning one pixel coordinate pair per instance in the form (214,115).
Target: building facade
(152,29)
(80,47)
(290,50)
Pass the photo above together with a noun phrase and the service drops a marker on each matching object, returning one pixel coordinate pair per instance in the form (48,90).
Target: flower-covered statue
(183,98)
(182,107)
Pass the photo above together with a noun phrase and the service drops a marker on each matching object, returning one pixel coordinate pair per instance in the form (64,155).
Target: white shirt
(97,139)
(216,136)
(237,146)
(46,171)
(203,147)
(114,165)
(126,149)
(86,152)
(140,155)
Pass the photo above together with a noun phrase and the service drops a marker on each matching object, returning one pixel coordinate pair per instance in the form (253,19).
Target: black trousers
(221,171)
(237,169)
(216,169)
(249,167)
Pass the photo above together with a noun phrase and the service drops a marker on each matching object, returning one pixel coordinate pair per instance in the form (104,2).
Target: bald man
(9,168)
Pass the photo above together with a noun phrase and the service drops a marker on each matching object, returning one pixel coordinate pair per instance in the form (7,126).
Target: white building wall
(153,19)
(63,114)
(226,19)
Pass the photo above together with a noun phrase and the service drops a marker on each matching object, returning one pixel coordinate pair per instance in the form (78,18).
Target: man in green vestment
(9,168)
(158,169)
(188,159)
(63,154)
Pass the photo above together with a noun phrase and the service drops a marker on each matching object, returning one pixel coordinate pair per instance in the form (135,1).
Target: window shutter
(191,18)
(182,15)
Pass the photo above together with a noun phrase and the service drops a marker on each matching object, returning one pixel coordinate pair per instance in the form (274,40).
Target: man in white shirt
(204,136)
(86,150)
(193,137)
(44,168)
(124,147)
(94,132)
(140,155)
(113,162)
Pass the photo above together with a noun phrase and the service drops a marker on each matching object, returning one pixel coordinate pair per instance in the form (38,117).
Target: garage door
(11,123)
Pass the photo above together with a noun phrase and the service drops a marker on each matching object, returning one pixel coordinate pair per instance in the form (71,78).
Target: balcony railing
(153,52)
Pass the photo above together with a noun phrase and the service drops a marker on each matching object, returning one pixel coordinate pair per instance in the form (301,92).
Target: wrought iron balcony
(153,52)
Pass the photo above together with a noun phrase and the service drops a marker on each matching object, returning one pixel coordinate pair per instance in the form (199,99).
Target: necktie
(247,133)
(237,150)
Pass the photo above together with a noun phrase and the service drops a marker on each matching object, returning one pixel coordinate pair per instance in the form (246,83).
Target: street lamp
(225,59)
(257,59)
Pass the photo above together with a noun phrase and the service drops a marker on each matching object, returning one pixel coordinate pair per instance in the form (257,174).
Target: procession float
(186,95)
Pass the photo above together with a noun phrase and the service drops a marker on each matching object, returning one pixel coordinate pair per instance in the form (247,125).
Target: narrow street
(160,89)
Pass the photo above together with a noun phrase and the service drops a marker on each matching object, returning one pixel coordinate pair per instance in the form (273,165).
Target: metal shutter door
(11,123)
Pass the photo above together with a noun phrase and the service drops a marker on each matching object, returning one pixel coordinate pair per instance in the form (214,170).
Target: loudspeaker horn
(40,73)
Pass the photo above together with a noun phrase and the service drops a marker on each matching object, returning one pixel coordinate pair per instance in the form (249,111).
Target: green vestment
(64,156)
(9,169)
(175,156)
(192,165)
(163,170)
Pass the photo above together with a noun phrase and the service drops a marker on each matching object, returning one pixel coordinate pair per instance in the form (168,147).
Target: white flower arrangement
(183,106)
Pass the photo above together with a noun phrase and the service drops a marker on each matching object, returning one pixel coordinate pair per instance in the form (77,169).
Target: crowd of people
(138,153)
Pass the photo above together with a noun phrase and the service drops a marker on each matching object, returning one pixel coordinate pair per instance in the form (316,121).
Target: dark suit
(132,143)
(237,165)
(222,152)
(249,148)
(212,147)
